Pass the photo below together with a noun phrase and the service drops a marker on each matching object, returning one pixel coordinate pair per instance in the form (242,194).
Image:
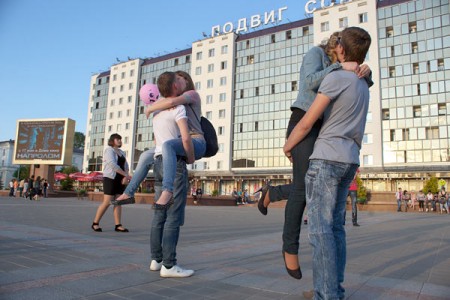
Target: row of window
(416,68)
(113,101)
(223,66)
(119,114)
(343,22)
(415,47)
(105,80)
(416,89)
(113,89)
(209,114)
(410,134)
(288,35)
(222,98)
(210,83)
(409,8)
(211,52)
(418,156)
(265,59)
(414,26)
(416,111)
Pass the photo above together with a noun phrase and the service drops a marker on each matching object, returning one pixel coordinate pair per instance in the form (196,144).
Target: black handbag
(210,136)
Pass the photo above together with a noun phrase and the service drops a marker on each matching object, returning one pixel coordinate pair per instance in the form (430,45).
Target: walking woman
(115,174)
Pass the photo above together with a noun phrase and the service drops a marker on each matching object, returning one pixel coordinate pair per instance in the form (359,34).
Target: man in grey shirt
(343,99)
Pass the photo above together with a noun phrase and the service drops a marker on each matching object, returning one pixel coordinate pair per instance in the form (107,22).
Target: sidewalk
(48,251)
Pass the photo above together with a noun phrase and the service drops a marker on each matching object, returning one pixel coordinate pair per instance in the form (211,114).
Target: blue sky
(50,48)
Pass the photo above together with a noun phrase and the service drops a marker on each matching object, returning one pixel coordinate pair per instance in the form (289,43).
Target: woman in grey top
(317,63)
(115,174)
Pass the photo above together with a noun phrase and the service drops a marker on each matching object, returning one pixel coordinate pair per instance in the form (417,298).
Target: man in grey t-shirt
(343,101)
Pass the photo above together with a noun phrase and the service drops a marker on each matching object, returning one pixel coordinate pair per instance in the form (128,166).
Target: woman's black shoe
(120,230)
(130,200)
(98,229)
(261,206)
(157,206)
(297,274)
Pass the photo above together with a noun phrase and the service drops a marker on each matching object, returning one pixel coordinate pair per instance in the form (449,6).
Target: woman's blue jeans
(170,150)
(166,222)
(327,184)
(146,161)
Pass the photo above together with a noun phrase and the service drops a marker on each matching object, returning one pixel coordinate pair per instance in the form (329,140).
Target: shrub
(362,191)
(432,185)
(67,184)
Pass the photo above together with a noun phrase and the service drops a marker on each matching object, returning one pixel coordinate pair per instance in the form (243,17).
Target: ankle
(267,200)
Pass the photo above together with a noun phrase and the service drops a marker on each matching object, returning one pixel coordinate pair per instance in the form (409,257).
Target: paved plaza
(49,251)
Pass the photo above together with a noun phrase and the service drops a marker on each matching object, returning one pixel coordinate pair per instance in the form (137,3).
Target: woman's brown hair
(189,83)
(112,138)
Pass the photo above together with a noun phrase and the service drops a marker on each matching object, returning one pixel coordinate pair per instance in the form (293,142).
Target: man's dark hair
(356,42)
(112,138)
(165,83)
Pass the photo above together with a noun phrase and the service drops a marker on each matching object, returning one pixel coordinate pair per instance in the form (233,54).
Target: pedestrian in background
(421,198)
(353,193)
(406,197)
(399,196)
(21,186)
(11,188)
(115,174)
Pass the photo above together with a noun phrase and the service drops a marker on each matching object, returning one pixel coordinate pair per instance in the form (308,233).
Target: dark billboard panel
(44,141)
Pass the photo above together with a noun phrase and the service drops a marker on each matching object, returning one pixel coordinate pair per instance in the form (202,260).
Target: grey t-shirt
(344,119)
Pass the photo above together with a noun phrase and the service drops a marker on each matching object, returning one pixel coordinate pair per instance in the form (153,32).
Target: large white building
(248,81)
(7,168)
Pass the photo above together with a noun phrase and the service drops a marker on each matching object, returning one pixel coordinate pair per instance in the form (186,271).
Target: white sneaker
(175,271)
(155,266)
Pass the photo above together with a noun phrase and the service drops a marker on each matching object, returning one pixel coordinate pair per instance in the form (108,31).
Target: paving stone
(50,252)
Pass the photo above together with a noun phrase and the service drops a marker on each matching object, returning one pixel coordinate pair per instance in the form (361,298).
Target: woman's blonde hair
(329,46)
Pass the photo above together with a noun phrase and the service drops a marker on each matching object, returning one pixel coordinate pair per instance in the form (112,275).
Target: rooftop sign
(254,22)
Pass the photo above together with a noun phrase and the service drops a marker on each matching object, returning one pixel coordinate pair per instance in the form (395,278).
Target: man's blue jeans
(327,184)
(399,204)
(166,223)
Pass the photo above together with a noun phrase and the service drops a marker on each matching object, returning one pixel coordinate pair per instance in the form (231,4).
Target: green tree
(69,169)
(431,185)
(24,172)
(78,140)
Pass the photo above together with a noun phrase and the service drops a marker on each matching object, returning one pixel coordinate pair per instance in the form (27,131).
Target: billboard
(44,141)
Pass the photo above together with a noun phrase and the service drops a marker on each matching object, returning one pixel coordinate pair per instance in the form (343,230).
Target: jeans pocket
(310,180)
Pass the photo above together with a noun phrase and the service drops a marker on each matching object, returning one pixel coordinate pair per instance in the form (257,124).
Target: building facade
(248,81)
(7,168)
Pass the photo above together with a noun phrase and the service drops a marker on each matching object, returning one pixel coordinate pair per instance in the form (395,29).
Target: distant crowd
(429,202)
(29,188)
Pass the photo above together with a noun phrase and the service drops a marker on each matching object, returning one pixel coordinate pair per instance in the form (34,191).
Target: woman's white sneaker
(155,266)
(175,271)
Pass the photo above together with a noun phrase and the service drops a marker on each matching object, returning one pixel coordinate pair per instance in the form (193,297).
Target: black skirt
(113,186)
